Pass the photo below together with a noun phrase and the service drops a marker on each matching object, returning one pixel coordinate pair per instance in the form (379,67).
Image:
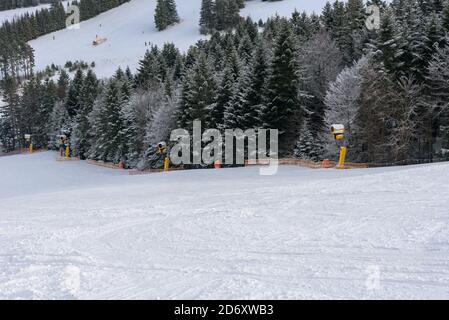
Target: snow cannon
(30,143)
(338,130)
(162,149)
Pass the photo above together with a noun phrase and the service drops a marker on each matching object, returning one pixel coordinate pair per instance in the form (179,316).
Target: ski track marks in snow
(129,26)
(72,230)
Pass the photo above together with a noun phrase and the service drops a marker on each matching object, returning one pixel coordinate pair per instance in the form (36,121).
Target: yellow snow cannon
(338,130)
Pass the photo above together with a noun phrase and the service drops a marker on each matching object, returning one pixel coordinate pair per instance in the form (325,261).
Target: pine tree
(389,44)
(207,16)
(60,124)
(9,130)
(226,14)
(235,114)
(63,84)
(163,121)
(173,16)
(445,22)
(165,14)
(81,135)
(228,88)
(108,124)
(148,73)
(48,98)
(254,101)
(283,108)
(29,109)
(73,102)
(161,15)
(321,62)
(136,115)
(308,146)
(343,96)
(371,140)
(407,100)
(198,93)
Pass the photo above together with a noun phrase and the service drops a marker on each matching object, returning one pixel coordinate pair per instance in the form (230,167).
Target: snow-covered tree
(343,94)
(254,99)
(165,14)
(283,107)
(81,135)
(389,44)
(73,101)
(406,102)
(321,62)
(158,129)
(108,125)
(308,146)
(207,16)
(198,93)
(9,115)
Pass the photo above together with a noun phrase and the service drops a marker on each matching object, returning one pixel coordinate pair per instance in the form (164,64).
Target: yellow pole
(166,164)
(342,160)
(31,148)
(67,152)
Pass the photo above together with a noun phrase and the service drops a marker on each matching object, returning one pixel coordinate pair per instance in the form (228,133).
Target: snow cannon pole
(162,149)
(338,130)
(342,160)
(30,141)
(167,164)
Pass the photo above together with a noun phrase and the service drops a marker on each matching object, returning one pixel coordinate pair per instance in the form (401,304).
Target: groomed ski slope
(69,230)
(129,26)
(10,15)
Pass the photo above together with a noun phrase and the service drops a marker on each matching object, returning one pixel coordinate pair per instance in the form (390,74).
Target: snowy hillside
(129,26)
(71,230)
(9,15)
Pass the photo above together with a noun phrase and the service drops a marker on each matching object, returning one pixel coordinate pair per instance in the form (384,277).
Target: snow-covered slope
(71,230)
(9,15)
(129,26)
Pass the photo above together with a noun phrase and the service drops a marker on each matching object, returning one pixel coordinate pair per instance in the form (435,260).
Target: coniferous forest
(388,86)
(14,4)
(16,55)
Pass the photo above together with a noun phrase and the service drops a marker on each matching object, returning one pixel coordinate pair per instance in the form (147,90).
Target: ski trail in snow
(222,234)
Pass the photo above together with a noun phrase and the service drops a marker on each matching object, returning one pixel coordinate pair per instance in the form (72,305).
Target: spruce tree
(81,135)
(198,93)
(173,16)
(308,146)
(207,16)
(109,123)
(9,130)
(73,102)
(63,84)
(29,108)
(148,74)
(282,107)
(254,101)
(445,18)
(389,44)
(228,87)
(161,15)
(165,14)
(48,98)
